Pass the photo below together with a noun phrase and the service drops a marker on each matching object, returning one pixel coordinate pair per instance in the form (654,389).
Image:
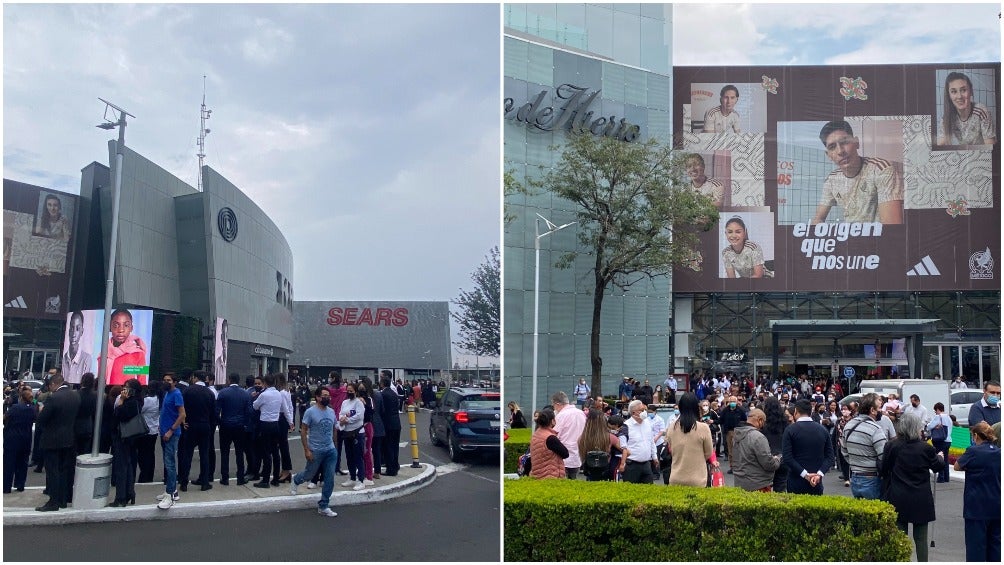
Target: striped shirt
(717,122)
(713,189)
(974,131)
(877,182)
(743,262)
(863,445)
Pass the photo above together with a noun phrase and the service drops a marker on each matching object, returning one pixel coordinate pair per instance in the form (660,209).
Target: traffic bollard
(414,436)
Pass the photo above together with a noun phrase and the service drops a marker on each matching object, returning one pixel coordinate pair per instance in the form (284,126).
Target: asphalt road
(456,518)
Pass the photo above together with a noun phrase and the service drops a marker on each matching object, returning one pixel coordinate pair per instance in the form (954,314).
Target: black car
(467,420)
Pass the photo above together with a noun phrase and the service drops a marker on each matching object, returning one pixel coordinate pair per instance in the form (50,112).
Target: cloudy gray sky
(835,34)
(369,134)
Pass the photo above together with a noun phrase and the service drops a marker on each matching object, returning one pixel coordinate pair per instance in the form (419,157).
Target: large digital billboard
(843,178)
(37,248)
(128,345)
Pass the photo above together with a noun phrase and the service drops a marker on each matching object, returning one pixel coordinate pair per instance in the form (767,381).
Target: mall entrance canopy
(910,329)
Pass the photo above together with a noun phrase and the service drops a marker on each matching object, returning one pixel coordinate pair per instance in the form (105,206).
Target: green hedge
(516,445)
(561,520)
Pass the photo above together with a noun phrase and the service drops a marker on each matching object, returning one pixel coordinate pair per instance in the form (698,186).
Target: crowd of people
(779,435)
(356,422)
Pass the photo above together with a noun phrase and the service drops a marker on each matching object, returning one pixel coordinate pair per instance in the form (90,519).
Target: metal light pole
(120,122)
(551,228)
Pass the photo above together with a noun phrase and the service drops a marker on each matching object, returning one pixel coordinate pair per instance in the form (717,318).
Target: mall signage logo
(981,265)
(572,114)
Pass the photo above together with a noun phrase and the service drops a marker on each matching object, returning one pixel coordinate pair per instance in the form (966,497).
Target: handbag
(940,432)
(718,478)
(134,427)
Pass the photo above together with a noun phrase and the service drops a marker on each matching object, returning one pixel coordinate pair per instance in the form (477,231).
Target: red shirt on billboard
(125,349)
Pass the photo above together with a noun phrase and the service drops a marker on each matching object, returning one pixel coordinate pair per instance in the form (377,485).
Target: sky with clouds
(834,34)
(368,133)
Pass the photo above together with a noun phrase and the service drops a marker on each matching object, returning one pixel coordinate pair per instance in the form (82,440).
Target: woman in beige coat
(689,440)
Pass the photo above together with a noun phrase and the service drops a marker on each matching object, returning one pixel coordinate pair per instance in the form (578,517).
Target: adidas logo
(16,303)
(925,268)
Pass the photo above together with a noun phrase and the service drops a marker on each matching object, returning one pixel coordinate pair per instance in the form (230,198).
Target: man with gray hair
(638,447)
(754,463)
(863,444)
(568,424)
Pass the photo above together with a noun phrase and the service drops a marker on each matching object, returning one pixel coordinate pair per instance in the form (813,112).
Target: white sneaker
(292,488)
(174,496)
(348,483)
(311,484)
(359,486)
(165,503)
(368,483)
(327,512)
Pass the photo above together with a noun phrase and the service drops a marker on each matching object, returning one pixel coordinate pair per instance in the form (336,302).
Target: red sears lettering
(352,316)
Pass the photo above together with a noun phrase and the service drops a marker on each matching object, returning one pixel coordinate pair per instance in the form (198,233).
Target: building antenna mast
(204,115)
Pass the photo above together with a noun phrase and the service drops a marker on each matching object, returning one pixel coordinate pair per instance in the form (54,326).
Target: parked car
(962,400)
(467,421)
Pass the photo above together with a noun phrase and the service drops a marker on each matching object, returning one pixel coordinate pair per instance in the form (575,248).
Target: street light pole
(110,281)
(536,294)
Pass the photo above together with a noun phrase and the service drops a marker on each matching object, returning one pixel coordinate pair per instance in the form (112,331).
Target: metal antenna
(204,115)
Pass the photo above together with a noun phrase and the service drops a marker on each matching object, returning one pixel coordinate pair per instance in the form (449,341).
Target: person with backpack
(581,393)
(594,445)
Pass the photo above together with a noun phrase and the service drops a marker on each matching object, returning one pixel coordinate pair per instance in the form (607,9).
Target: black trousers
(15,462)
(198,436)
(232,435)
(391,449)
(146,446)
(59,474)
(251,454)
(268,449)
(638,472)
(124,467)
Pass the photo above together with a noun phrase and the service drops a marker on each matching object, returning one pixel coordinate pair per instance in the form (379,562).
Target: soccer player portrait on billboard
(965,120)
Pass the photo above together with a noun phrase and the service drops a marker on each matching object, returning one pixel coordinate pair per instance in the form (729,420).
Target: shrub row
(516,445)
(561,520)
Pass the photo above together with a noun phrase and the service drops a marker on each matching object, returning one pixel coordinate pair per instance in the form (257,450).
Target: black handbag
(939,433)
(134,427)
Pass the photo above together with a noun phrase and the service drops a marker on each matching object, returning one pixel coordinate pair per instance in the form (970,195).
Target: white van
(930,391)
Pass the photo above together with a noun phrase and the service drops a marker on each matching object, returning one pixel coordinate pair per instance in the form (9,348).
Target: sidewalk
(19,507)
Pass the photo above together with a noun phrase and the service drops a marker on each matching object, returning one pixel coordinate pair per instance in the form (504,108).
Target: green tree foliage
(637,217)
(510,187)
(479,309)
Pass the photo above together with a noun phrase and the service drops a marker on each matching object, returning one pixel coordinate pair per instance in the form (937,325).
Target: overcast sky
(835,34)
(368,133)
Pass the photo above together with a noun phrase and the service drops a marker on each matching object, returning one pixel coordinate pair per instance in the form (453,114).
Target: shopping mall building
(187,260)
(913,294)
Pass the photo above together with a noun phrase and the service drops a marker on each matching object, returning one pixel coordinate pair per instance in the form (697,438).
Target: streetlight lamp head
(107,125)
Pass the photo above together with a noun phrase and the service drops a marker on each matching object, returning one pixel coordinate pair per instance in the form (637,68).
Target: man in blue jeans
(863,446)
(317,434)
(172,416)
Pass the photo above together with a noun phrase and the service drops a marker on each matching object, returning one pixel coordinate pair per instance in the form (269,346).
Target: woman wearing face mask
(981,499)
(714,423)
(350,424)
(846,413)
(367,401)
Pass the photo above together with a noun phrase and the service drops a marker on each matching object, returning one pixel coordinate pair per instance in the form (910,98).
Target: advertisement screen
(37,248)
(220,351)
(128,345)
(863,178)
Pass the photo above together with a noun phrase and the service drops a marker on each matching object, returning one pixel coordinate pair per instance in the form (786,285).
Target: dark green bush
(561,520)
(516,445)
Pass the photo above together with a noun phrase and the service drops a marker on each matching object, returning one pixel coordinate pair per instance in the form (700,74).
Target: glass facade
(622,51)
(967,341)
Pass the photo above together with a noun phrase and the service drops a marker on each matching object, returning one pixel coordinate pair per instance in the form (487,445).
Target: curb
(29,517)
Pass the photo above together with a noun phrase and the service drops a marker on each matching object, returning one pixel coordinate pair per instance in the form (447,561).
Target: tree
(479,313)
(637,218)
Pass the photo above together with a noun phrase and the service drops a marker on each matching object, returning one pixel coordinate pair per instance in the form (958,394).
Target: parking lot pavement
(19,507)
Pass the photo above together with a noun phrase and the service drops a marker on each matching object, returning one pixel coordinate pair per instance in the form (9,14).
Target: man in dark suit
(233,406)
(807,451)
(391,424)
(200,418)
(57,440)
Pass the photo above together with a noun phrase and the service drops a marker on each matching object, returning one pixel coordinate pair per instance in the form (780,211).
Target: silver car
(962,400)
